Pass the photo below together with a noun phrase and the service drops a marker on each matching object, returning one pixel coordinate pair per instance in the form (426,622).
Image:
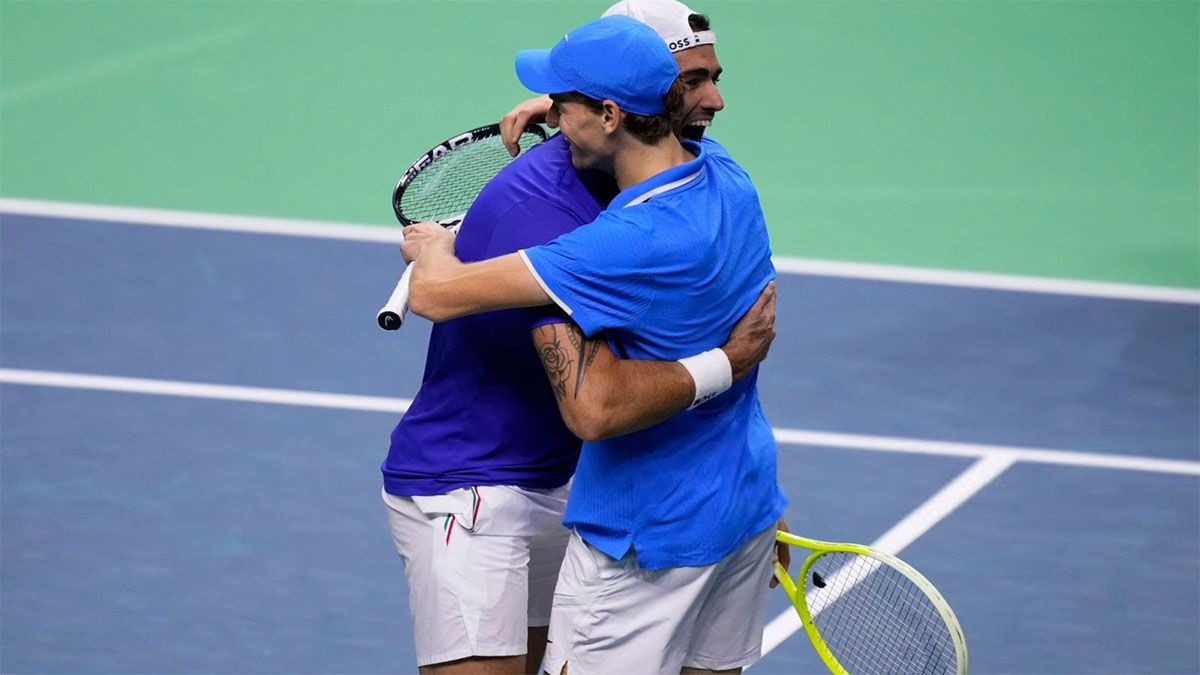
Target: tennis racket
(866,611)
(441,186)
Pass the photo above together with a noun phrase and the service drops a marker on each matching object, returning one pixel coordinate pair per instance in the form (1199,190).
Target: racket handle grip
(391,316)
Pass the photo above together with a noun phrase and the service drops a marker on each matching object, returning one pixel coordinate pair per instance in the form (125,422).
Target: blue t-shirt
(664,273)
(485,413)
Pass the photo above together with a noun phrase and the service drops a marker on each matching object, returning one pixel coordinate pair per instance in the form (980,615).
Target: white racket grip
(391,316)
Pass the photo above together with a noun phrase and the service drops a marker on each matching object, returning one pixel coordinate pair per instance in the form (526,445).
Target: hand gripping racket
(441,186)
(866,611)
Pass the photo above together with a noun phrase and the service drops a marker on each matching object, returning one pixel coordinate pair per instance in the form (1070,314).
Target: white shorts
(612,617)
(481,564)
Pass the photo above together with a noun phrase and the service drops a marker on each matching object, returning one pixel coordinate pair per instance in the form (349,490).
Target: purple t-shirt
(485,413)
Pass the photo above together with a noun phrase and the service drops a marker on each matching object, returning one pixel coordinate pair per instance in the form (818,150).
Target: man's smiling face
(699,70)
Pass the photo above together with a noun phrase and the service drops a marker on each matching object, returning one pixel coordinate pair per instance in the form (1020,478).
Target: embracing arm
(444,288)
(601,396)
(527,112)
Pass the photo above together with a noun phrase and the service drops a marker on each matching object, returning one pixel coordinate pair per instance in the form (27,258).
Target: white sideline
(992,460)
(1096,460)
(783,436)
(984,280)
(223,392)
(203,221)
(784,265)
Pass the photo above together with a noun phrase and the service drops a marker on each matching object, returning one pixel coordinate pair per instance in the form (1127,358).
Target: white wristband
(711,372)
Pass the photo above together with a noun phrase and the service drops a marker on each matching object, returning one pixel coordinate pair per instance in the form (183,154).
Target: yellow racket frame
(800,602)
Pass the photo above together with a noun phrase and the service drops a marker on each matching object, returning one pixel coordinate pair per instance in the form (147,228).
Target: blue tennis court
(985,214)
(193,420)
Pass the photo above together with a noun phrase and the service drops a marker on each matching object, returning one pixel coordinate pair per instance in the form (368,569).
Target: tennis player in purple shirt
(477,477)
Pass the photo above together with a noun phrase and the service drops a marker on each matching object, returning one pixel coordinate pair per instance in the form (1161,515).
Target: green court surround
(1043,138)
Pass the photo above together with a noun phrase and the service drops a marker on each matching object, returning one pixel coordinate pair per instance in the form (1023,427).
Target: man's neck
(637,162)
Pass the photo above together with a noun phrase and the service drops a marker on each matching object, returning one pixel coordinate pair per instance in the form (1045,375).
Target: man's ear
(611,116)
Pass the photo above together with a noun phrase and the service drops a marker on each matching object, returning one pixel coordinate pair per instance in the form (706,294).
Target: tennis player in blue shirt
(476,478)
(674,524)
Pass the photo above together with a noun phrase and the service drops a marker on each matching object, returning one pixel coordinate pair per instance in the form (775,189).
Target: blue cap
(615,58)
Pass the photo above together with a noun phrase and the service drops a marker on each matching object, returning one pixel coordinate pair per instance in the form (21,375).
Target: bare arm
(601,396)
(444,288)
(511,125)
(783,554)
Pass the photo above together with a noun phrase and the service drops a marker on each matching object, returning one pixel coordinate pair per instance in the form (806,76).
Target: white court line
(951,449)
(908,530)
(783,436)
(997,282)
(784,265)
(993,460)
(223,392)
(204,221)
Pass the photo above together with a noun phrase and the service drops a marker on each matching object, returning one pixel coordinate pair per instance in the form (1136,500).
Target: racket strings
(876,620)
(450,184)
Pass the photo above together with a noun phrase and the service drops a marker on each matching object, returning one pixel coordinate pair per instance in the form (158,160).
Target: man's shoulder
(729,177)
(533,200)
(713,148)
(543,175)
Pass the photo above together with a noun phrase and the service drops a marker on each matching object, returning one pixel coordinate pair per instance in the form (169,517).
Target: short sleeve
(603,275)
(546,315)
(714,149)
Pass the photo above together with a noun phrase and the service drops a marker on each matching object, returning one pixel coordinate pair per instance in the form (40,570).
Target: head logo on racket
(441,186)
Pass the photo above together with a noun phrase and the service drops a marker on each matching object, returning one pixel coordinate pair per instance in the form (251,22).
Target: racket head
(868,611)
(445,181)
